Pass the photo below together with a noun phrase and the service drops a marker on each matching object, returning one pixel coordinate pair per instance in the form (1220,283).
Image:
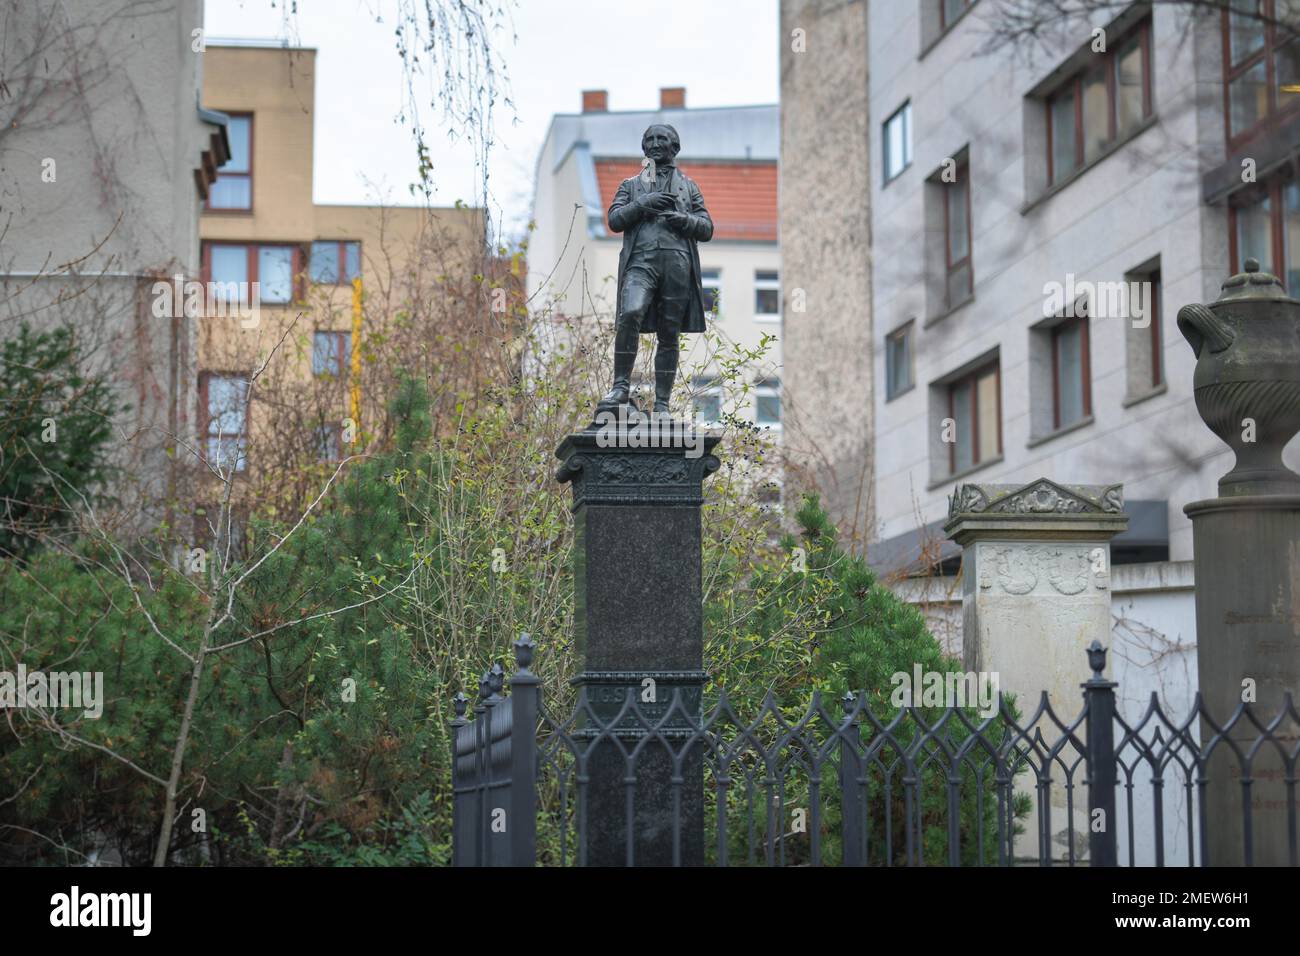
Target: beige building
(731,154)
(312,289)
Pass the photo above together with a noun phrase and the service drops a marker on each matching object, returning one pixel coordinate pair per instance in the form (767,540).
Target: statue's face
(658,144)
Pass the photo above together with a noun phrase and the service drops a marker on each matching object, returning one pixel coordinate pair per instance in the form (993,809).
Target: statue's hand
(678,221)
(657,202)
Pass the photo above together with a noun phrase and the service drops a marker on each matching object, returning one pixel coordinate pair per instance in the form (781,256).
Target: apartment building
(1046,217)
(731,153)
(317,284)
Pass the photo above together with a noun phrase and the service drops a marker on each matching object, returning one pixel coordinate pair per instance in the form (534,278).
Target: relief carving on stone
(1020,570)
(1038,497)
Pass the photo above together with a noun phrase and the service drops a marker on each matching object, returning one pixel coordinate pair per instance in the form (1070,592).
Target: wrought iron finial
(1097,659)
(460,702)
(848,700)
(484,686)
(496,678)
(524,648)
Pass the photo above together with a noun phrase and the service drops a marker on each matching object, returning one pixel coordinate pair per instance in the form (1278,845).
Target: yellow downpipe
(356,355)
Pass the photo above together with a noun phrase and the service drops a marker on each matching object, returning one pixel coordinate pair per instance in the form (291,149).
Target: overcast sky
(723,51)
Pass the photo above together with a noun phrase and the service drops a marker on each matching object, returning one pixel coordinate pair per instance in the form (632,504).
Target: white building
(1020,197)
(731,153)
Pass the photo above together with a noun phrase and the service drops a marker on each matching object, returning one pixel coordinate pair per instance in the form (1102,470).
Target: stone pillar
(1246,545)
(1035,595)
(1035,582)
(638,614)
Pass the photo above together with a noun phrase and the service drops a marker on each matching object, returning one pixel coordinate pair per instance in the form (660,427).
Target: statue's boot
(665,375)
(625,345)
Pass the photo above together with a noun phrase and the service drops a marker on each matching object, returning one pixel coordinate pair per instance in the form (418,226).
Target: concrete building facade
(827,255)
(1046,215)
(102,181)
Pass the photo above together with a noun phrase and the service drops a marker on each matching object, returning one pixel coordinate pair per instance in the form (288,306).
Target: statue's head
(660,142)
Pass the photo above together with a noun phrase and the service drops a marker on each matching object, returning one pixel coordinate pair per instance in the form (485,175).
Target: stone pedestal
(637,494)
(1035,582)
(1247,554)
(1035,595)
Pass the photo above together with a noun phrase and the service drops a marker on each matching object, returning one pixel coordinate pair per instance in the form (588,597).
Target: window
(1261,64)
(767,403)
(898,142)
(234,186)
(272,267)
(223,411)
(707,400)
(330,353)
(957,231)
(335,263)
(1071,391)
(898,361)
(329,442)
(1100,105)
(950,11)
(1143,336)
(975,407)
(767,295)
(711,280)
(1265,225)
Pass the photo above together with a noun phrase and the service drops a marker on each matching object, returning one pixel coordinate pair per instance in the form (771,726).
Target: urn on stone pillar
(1247,380)
(1246,547)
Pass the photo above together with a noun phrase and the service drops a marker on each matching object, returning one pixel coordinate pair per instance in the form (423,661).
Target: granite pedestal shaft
(639,631)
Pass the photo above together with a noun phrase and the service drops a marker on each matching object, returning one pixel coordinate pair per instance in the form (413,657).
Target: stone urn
(1247,381)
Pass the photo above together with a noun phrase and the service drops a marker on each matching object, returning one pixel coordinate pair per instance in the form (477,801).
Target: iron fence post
(850,787)
(525,699)
(459,703)
(1099,703)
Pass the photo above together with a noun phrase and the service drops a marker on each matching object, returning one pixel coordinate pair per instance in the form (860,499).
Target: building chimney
(672,97)
(595,101)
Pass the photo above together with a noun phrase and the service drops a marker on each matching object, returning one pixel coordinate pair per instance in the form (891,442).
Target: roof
(720,132)
(740,196)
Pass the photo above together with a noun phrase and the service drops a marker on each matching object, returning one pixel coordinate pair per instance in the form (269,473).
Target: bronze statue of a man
(662,217)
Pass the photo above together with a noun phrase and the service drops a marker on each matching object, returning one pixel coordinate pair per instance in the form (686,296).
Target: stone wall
(825,247)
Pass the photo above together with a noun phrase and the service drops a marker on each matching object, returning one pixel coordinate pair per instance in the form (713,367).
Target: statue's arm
(623,212)
(699,225)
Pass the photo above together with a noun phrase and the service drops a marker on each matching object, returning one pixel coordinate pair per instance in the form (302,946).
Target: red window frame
(1272,111)
(1109,62)
(340,248)
(236,210)
(904,334)
(971,381)
(340,337)
(963,169)
(297,290)
(1272,191)
(205,417)
(1085,372)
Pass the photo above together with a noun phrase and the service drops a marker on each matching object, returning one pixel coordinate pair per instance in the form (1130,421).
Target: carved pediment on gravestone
(1042,496)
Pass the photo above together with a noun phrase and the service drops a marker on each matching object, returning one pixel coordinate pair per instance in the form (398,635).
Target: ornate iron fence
(926,786)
